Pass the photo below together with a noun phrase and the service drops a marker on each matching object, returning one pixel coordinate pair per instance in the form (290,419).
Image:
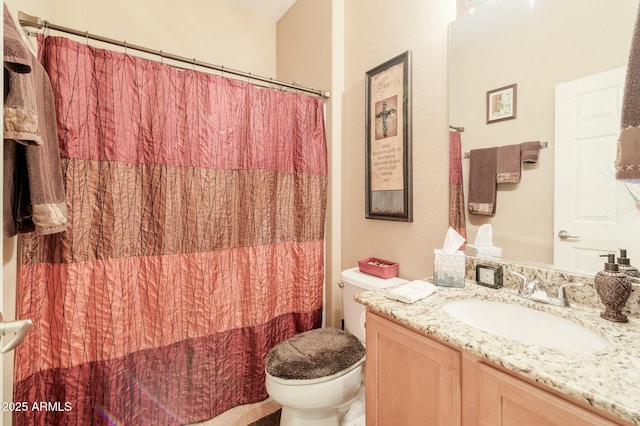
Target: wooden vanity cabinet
(413,379)
(504,400)
(410,379)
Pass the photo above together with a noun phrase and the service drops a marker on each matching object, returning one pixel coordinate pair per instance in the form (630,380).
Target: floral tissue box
(448,268)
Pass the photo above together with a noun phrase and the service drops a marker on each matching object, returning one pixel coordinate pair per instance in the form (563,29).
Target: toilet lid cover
(314,354)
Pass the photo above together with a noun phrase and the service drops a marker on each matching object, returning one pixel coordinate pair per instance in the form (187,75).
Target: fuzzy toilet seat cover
(314,354)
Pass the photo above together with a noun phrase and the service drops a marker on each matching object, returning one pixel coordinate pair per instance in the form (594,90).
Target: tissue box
(473,250)
(448,268)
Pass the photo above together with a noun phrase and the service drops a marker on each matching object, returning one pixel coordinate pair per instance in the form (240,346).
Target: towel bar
(543,144)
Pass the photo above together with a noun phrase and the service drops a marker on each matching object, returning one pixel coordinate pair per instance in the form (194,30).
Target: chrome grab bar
(19,327)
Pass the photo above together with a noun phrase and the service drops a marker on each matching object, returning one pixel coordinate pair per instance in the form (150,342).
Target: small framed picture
(502,103)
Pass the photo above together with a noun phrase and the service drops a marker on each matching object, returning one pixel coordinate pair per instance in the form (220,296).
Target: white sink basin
(526,325)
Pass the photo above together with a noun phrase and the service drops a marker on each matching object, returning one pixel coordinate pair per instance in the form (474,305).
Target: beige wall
(363,34)
(553,43)
(375,31)
(211,32)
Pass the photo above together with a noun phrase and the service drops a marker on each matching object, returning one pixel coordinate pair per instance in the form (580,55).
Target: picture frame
(502,103)
(388,129)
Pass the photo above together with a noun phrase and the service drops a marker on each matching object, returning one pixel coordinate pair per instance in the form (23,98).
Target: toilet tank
(355,282)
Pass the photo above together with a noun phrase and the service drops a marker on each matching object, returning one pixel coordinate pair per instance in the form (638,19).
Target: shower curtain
(194,245)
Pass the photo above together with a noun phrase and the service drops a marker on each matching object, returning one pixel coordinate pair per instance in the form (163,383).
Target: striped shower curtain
(194,245)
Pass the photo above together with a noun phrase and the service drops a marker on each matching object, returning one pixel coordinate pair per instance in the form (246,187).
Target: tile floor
(243,414)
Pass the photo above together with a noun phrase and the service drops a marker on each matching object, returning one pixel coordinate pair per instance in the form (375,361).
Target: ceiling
(272,9)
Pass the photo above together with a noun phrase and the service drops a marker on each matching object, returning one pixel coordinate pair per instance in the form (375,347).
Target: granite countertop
(608,379)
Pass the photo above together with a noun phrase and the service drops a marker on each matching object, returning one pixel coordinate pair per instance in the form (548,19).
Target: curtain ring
(46,31)
(86,37)
(161,57)
(194,64)
(125,47)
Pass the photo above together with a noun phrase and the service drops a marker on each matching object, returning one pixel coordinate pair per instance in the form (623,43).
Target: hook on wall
(46,31)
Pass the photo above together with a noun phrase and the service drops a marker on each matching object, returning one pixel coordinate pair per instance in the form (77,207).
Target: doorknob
(564,235)
(20,327)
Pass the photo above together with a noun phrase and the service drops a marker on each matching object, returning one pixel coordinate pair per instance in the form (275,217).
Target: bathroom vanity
(426,367)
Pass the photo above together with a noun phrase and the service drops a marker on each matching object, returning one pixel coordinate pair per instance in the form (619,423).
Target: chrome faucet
(533,291)
(527,287)
(562,294)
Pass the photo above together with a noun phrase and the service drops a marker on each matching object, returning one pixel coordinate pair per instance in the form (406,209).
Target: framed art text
(388,140)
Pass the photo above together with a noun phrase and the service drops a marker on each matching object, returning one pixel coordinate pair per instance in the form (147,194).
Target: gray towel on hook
(20,110)
(34,196)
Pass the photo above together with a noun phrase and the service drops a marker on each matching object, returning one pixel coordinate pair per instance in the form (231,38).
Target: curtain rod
(27,20)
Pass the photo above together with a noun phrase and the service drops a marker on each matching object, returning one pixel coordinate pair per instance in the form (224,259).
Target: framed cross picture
(388,140)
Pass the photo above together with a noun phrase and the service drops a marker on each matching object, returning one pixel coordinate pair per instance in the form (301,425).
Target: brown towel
(508,164)
(529,151)
(482,181)
(34,197)
(628,154)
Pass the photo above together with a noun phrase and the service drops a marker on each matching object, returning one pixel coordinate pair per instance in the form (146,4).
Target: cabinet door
(410,379)
(504,400)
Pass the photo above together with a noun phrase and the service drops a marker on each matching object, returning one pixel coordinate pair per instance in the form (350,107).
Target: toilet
(318,376)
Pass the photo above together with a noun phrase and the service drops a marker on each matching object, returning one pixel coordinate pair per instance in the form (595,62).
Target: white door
(593,213)
(8,310)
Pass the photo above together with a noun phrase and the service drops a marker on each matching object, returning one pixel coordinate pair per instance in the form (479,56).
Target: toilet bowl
(314,373)
(316,376)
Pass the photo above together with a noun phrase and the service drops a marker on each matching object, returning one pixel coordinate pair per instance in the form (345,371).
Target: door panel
(589,204)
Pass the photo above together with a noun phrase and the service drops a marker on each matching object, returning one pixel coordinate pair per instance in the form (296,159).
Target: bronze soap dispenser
(614,289)
(625,265)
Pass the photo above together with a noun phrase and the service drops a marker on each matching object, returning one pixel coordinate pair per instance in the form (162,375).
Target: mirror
(535,44)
